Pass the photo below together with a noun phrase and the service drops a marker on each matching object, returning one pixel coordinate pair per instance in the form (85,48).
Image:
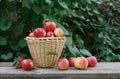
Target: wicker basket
(45,51)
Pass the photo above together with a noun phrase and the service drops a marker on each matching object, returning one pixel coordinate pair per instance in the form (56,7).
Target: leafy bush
(88,24)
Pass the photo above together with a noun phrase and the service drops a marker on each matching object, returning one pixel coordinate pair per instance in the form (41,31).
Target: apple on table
(81,63)
(27,64)
(92,61)
(71,61)
(63,64)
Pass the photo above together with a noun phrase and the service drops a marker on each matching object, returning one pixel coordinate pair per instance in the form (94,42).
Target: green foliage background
(92,25)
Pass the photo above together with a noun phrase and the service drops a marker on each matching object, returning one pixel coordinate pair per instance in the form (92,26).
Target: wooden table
(103,70)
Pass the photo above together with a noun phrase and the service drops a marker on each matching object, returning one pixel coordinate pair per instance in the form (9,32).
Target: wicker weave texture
(45,51)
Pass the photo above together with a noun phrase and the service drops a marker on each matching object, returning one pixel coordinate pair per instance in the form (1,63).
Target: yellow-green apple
(92,61)
(71,61)
(80,63)
(27,64)
(63,64)
(59,32)
(49,26)
(39,32)
(50,34)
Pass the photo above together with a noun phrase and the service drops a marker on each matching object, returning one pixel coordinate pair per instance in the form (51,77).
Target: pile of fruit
(79,62)
(62,64)
(49,30)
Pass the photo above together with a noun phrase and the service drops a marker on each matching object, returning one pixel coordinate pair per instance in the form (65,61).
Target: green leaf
(69,41)
(78,37)
(10,0)
(79,40)
(22,43)
(11,8)
(117,56)
(118,9)
(63,4)
(27,3)
(3,41)
(17,28)
(100,18)
(58,12)
(5,25)
(72,48)
(88,8)
(81,17)
(34,17)
(91,14)
(7,56)
(37,9)
(85,52)
(99,2)
(16,62)
(83,1)
(77,23)
(52,53)
(14,46)
(96,11)
(48,1)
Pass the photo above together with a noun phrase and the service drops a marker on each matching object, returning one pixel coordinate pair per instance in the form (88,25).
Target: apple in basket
(31,35)
(59,32)
(39,32)
(50,34)
(49,26)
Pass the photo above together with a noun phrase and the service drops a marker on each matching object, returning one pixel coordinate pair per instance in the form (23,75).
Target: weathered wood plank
(5,64)
(105,70)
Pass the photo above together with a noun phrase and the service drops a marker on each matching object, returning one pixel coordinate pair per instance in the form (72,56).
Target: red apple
(49,26)
(59,32)
(17,64)
(31,35)
(39,32)
(71,61)
(27,64)
(50,34)
(81,63)
(63,64)
(92,61)
(20,61)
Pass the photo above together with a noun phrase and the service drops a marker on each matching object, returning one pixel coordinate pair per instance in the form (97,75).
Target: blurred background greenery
(92,27)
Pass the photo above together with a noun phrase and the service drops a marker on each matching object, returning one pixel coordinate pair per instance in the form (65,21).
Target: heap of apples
(62,64)
(49,30)
(79,62)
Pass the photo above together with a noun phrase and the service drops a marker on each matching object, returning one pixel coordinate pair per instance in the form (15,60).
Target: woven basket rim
(45,38)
